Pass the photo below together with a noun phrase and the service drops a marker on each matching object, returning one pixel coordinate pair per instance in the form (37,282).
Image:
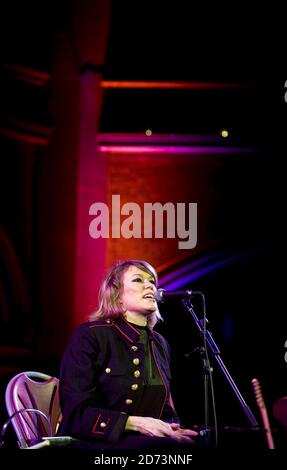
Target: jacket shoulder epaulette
(99,323)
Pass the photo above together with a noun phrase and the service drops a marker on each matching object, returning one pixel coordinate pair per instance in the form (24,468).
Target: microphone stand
(215,352)
(206,373)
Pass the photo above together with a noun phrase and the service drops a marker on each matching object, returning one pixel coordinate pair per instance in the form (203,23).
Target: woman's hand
(157,428)
(183,433)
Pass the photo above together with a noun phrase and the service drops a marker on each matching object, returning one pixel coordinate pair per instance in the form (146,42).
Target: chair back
(38,391)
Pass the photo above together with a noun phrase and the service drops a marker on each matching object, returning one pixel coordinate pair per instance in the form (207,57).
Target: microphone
(161,294)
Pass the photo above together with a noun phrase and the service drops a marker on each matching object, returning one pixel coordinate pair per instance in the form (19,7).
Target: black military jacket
(101,379)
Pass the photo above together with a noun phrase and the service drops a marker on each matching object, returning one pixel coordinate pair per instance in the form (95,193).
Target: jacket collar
(129,331)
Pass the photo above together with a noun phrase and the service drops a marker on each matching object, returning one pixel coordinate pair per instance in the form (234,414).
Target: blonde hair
(110,306)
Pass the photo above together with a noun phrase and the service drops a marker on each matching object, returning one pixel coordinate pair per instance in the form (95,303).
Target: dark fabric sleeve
(84,416)
(169,413)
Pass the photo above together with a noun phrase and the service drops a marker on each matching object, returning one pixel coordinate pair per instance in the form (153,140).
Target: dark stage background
(81,82)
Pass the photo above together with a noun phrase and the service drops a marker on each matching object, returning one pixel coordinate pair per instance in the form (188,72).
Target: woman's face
(138,292)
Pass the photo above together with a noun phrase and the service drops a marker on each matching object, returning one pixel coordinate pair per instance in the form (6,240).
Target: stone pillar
(73,176)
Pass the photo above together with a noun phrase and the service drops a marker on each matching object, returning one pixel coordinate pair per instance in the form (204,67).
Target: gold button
(137,373)
(129,401)
(103,424)
(136,361)
(108,370)
(134,386)
(134,348)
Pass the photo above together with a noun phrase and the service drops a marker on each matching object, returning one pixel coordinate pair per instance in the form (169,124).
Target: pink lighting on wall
(160,150)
